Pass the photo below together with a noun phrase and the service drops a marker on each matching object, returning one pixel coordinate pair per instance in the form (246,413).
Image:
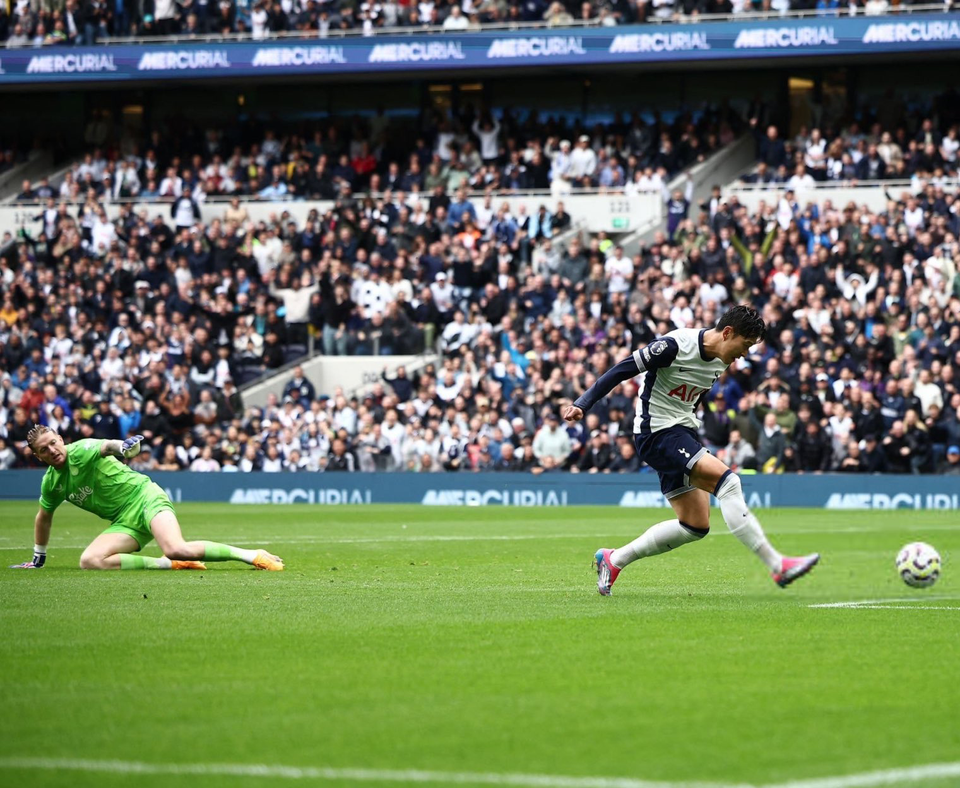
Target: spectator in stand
(552,442)
(949,467)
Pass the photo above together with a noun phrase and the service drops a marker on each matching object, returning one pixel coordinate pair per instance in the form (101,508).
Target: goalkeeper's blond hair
(37,432)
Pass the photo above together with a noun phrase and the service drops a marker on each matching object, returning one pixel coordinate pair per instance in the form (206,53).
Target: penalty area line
(902,776)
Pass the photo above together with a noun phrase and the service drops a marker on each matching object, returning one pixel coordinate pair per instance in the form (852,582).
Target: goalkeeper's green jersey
(101,485)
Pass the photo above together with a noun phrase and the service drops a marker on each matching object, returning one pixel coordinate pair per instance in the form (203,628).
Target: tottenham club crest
(658,347)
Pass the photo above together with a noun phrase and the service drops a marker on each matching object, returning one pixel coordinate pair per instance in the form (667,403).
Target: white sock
(163,563)
(659,538)
(742,523)
(246,556)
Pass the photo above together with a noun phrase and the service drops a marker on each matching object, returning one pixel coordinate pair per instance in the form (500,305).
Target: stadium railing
(873,194)
(593,209)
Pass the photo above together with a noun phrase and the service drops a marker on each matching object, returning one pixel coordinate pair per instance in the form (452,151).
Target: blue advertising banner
(831,491)
(673,43)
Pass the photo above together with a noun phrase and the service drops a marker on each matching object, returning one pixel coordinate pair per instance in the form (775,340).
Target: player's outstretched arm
(607,382)
(42,524)
(658,354)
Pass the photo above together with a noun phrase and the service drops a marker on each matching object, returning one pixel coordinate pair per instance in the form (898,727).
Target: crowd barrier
(828,491)
(827,36)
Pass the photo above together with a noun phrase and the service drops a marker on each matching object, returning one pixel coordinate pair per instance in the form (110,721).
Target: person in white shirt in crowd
(373,295)
(127,182)
(112,366)
(950,145)
(205,462)
(583,162)
(273,461)
(457,333)
(442,292)
(267,250)
(913,216)
(713,292)
(928,392)
(681,314)
(618,270)
(786,280)
(552,441)
(488,132)
(172,184)
(103,233)
(185,211)
(855,286)
(455,19)
(815,155)
(801,180)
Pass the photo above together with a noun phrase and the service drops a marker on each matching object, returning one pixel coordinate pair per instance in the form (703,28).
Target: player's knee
(178,552)
(697,527)
(728,484)
(91,561)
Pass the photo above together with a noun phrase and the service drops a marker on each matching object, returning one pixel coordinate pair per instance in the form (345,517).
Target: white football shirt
(674,376)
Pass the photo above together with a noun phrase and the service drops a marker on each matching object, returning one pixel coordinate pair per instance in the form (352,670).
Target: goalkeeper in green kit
(89,474)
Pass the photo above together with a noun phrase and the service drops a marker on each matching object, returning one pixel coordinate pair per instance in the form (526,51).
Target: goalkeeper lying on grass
(89,475)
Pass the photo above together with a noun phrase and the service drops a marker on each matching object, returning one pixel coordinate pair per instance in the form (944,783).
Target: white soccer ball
(918,565)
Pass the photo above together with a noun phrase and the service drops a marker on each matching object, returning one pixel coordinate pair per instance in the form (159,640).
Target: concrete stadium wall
(609,212)
(351,373)
(874,196)
(831,491)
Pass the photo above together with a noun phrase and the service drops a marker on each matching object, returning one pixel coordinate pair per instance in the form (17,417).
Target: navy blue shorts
(672,453)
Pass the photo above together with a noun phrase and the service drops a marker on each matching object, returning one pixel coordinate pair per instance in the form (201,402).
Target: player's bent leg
(691,525)
(711,475)
(166,530)
(693,510)
(107,550)
(182,555)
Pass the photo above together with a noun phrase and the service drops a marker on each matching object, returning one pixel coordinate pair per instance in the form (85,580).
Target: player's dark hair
(745,321)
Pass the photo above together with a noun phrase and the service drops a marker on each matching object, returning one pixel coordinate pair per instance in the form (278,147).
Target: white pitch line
(910,774)
(912,603)
(348,775)
(900,607)
(902,776)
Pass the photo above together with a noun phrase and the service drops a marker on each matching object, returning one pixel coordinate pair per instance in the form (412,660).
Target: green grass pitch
(472,640)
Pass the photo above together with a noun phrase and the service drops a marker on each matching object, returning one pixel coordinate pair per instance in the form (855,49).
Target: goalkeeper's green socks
(144,562)
(214,551)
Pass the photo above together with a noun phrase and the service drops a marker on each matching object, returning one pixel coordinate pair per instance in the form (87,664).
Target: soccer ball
(918,565)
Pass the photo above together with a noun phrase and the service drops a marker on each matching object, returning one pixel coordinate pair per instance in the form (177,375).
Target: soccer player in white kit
(676,372)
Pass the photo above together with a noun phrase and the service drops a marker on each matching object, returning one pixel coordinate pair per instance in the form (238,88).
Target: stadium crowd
(884,151)
(57,23)
(475,148)
(147,324)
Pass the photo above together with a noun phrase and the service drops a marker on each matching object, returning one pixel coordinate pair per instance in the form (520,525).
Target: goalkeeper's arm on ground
(658,354)
(41,538)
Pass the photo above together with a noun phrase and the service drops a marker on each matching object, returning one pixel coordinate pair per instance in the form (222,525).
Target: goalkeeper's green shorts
(134,519)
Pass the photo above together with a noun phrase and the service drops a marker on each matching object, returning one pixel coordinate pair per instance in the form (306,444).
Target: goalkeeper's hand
(38,560)
(131,447)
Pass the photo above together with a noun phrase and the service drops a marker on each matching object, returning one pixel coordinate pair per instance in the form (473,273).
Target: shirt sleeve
(658,354)
(87,450)
(607,382)
(50,496)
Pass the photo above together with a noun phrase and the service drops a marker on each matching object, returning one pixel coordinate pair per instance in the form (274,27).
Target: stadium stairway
(720,169)
(353,374)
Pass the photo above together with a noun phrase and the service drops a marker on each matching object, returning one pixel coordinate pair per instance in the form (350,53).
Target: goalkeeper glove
(131,447)
(39,558)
